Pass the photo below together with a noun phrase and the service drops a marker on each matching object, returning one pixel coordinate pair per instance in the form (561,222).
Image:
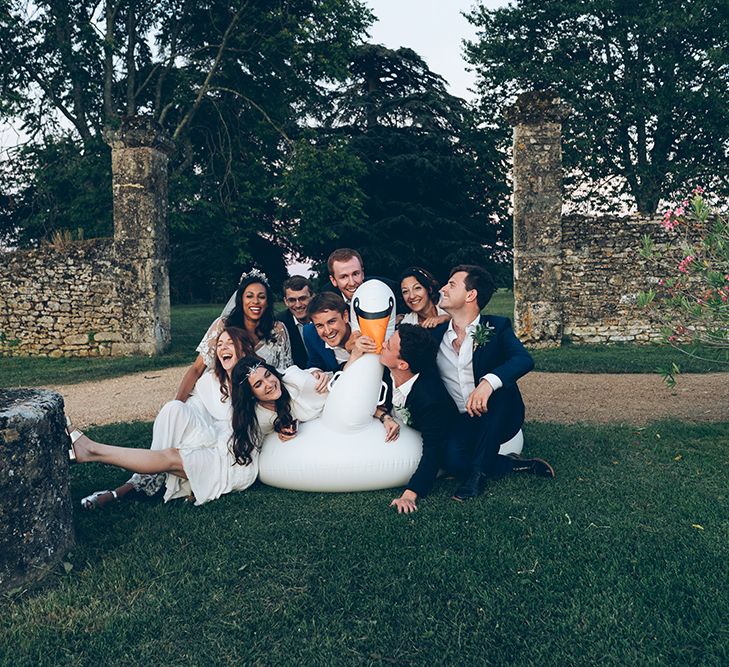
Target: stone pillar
(139,157)
(537,174)
(36,527)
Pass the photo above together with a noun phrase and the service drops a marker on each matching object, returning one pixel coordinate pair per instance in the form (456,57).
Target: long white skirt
(203,445)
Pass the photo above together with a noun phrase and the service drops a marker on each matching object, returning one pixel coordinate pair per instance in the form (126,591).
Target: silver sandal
(92,502)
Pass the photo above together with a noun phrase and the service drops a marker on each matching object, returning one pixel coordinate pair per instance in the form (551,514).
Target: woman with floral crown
(251,309)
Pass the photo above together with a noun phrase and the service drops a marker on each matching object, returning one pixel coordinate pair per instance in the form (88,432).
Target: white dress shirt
(340,354)
(400,394)
(456,367)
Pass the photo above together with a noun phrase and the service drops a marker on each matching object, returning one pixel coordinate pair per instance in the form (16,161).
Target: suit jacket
(506,357)
(318,354)
(432,412)
(298,349)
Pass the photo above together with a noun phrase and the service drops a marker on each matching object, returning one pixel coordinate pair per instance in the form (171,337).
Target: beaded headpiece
(251,370)
(254,273)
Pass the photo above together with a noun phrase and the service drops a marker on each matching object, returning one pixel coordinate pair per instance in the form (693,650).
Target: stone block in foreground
(36,526)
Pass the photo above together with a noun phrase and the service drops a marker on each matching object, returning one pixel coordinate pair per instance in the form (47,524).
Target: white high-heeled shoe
(74,435)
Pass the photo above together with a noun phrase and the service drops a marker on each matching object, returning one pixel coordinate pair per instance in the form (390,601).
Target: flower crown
(254,273)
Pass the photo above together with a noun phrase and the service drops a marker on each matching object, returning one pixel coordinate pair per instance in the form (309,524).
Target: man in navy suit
(328,332)
(480,360)
(419,399)
(298,293)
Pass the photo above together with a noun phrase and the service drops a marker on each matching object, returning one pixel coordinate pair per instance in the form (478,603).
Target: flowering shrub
(692,299)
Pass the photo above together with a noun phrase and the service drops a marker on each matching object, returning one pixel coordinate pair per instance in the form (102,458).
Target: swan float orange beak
(374,306)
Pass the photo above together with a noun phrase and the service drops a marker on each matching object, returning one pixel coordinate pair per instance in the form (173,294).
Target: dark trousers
(473,444)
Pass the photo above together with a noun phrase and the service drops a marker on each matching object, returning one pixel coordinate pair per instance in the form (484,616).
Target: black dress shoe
(538,467)
(472,487)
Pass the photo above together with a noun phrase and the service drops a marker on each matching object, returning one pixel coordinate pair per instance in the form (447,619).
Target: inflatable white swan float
(345,449)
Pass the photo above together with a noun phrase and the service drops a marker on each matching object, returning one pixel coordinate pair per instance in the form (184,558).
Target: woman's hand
(432,322)
(392,428)
(322,381)
(284,435)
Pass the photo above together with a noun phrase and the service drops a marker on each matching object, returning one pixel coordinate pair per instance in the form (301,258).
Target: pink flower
(685,263)
(698,190)
(680,210)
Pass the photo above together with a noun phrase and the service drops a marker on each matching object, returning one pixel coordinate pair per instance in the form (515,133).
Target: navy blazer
(319,355)
(432,412)
(298,349)
(505,356)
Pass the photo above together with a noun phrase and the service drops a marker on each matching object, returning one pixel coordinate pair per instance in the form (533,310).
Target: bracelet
(383,415)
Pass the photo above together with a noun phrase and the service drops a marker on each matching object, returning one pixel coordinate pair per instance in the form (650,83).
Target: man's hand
(406,502)
(349,345)
(477,403)
(322,381)
(392,428)
(363,345)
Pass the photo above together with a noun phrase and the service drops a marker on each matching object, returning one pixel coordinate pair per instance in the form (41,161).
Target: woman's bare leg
(137,460)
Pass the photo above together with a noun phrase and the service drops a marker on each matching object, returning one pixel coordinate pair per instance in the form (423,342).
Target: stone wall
(103,296)
(602,273)
(575,277)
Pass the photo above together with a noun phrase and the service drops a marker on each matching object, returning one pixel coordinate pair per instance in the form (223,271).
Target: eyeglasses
(297,299)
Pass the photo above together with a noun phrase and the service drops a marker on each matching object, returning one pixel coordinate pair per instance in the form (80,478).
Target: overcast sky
(435,29)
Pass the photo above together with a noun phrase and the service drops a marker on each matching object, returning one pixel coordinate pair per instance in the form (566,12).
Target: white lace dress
(200,429)
(276,351)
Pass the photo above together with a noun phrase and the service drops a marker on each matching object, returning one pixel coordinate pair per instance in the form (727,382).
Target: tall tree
(649,83)
(429,187)
(230,81)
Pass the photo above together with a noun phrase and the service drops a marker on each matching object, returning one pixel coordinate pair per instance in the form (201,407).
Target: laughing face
(255,301)
(415,295)
(332,326)
(265,386)
(454,293)
(347,277)
(227,354)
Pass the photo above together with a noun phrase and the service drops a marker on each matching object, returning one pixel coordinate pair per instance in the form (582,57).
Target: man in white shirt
(298,292)
(480,360)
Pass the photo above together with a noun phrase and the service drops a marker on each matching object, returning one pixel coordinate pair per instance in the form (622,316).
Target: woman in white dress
(421,294)
(265,400)
(191,440)
(251,309)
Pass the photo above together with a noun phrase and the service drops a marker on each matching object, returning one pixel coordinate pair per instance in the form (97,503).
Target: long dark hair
(243,348)
(246,431)
(264,329)
(426,279)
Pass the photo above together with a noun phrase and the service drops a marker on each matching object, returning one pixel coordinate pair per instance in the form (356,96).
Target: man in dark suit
(298,292)
(328,332)
(480,360)
(419,399)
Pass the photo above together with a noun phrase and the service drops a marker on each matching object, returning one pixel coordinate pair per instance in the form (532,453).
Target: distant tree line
(295,136)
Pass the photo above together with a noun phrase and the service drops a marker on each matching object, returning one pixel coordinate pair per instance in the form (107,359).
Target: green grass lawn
(189,323)
(620,561)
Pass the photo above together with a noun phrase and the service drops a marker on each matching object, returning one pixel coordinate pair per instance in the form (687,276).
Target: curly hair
(247,434)
(265,327)
(243,348)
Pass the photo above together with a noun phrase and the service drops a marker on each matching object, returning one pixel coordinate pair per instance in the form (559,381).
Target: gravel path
(558,397)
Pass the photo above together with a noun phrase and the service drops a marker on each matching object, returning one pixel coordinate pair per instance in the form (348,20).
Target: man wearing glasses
(298,293)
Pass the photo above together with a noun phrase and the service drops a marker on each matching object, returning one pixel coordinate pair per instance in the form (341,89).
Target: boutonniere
(404,415)
(481,335)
